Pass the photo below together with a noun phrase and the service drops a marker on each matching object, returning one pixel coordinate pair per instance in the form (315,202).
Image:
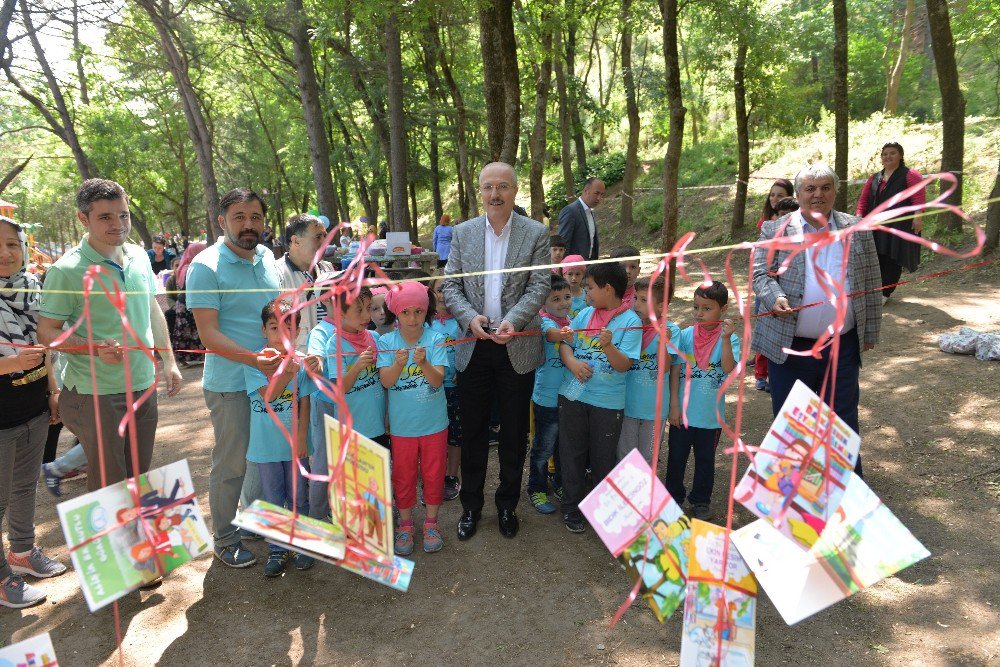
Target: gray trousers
(77,413)
(21,451)
(638,434)
(231,480)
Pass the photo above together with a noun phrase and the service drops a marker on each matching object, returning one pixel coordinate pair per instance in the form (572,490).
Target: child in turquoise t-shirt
(707,353)
(548,378)
(639,425)
(412,362)
(277,459)
(444,323)
(574,277)
(607,340)
(349,362)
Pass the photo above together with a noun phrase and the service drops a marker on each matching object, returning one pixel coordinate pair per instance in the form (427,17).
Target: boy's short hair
(787,205)
(556,241)
(273,309)
(608,273)
(717,292)
(98,189)
(624,251)
(558,283)
(659,287)
(365,293)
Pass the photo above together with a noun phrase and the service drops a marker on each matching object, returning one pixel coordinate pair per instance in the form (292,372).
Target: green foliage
(609,167)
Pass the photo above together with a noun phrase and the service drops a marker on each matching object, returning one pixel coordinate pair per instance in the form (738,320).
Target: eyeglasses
(503,187)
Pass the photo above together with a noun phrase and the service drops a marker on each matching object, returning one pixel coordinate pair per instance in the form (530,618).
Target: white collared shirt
(814,321)
(591,226)
(496,259)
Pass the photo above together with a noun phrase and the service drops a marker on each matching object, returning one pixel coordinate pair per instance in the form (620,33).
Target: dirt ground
(931,440)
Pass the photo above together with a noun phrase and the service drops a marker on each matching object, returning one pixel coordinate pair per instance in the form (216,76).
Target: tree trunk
(993,216)
(400,218)
(569,187)
(201,137)
(896,74)
(78,54)
(414,214)
(463,203)
(573,90)
(368,201)
(742,134)
(632,110)
(672,158)
(312,111)
(840,107)
(952,104)
(536,144)
(468,203)
(429,62)
(435,160)
(64,127)
(501,86)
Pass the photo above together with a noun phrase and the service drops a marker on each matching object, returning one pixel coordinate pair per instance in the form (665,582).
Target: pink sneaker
(432,538)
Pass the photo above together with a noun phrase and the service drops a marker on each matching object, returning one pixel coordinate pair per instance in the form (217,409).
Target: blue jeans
(680,442)
(277,481)
(811,371)
(544,445)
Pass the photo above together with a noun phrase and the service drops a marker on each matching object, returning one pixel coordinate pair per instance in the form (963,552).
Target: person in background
(304,234)
(26,380)
(630,262)
(894,253)
(577,224)
(574,277)
(780,189)
(442,239)
(444,323)
(557,252)
(184,334)
(159,255)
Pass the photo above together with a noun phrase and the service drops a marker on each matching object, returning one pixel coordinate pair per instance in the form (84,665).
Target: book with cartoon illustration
(799,473)
(114,552)
(863,543)
(275,524)
(361,498)
(645,529)
(34,652)
(720,606)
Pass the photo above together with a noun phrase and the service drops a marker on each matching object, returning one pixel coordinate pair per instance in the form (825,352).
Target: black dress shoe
(467,524)
(509,523)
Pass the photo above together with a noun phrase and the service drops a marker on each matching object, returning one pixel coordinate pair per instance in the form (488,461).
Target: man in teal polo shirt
(227,286)
(102,208)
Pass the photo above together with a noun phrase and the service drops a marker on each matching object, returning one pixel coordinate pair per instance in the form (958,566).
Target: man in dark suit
(499,366)
(577,224)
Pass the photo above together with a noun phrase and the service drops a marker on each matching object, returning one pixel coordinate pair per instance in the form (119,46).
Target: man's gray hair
(816,172)
(513,173)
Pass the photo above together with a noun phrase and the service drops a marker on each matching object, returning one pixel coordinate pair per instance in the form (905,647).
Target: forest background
(389,109)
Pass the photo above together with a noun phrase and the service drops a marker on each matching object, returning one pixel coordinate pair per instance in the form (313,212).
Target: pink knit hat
(572,259)
(407,295)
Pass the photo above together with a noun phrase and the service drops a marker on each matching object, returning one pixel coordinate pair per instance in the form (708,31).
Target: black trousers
(585,432)
(891,273)
(488,377)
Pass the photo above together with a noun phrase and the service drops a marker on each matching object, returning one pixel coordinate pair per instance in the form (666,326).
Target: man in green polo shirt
(102,207)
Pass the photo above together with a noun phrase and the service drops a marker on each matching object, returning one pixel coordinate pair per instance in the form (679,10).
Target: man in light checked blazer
(491,308)
(782,295)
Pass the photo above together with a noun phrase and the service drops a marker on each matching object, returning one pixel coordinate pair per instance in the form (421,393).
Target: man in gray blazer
(492,307)
(796,327)
(577,224)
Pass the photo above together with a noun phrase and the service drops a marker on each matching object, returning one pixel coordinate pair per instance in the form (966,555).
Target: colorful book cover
(311,536)
(362,497)
(112,553)
(796,493)
(34,652)
(397,575)
(652,544)
(720,606)
(863,543)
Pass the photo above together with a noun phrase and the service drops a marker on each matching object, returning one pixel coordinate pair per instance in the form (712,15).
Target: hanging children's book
(863,543)
(118,545)
(394,573)
(796,492)
(310,536)
(362,497)
(720,606)
(34,652)
(650,541)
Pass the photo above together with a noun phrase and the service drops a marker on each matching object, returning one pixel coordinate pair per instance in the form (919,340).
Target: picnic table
(392,264)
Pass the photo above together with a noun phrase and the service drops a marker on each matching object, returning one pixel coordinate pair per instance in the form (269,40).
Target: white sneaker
(36,564)
(17,594)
